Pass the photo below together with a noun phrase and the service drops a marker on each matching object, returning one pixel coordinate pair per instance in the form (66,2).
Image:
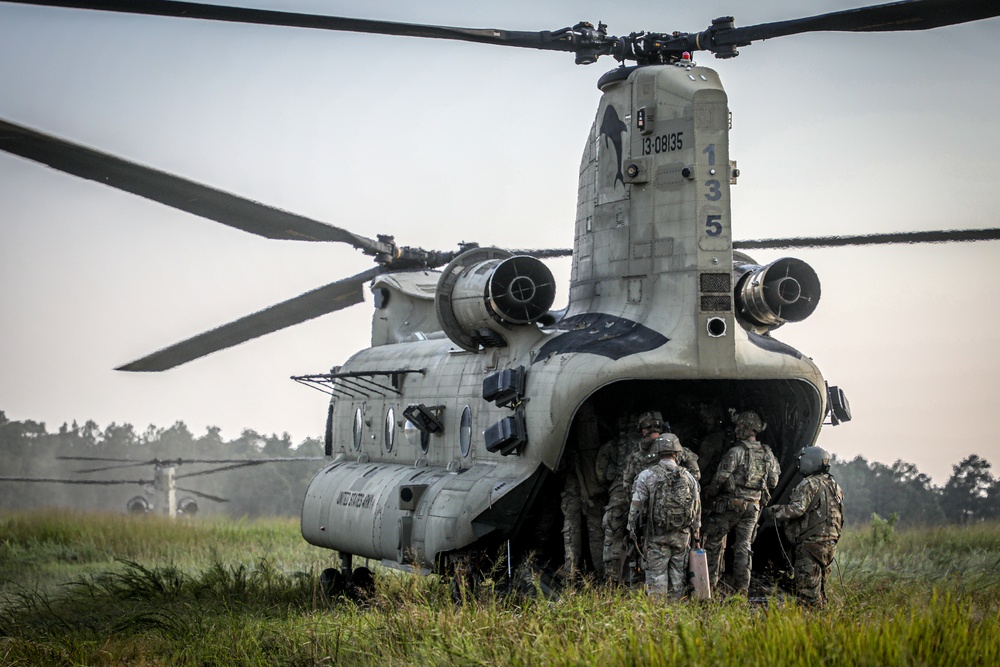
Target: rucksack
(671,504)
(756,469)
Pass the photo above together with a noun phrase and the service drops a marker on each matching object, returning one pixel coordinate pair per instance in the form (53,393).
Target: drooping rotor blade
(936,236)
(895,16)
(174,191)
(204,495)
(560,40)
(327,299)
(583,39)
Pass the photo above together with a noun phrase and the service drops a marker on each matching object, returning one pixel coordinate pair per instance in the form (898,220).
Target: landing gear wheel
(362,584)
(332,582)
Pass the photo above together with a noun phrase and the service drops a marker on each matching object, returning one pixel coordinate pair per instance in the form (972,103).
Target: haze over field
(438,142)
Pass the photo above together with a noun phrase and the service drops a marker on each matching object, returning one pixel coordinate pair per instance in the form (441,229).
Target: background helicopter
(874,56)
(161,493)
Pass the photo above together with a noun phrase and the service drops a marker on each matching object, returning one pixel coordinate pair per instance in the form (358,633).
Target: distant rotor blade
(204,495)
(181,461)
(330,298)
(115,467)
(101,458)
(212,471)
(102,482)
(174,191)
(250,462)
(937,236)
(547,40)
(121,463)
(895,16)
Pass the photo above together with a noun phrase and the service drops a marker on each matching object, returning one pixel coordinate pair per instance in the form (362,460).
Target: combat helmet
(748,423)
(813,460)
(652,420)
(666,443)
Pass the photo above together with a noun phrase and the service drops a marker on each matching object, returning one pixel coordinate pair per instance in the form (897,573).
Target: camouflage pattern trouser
(615,524)
(576,511)
(812,570)
(667,564)
(742,521)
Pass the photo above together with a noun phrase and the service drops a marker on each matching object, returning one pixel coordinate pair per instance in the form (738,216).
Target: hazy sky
(438,142)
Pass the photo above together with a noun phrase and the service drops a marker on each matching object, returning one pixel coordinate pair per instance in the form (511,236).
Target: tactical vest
(671,503)
(823,519)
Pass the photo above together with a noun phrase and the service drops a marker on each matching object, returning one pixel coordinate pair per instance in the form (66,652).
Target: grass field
(81,589)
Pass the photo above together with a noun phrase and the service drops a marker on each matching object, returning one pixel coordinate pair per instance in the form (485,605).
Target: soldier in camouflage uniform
(610,467)
(714,440)
(741,486)
(651,426)
(815,516)
(634,457)
(669,498)
(583,498)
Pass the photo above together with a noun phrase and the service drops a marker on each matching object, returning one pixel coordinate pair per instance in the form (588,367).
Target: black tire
(362,583)
(332,582)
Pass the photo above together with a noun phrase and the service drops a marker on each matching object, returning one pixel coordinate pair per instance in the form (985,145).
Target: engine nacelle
(786,290)
(187,507)
(485,290)
(138,505)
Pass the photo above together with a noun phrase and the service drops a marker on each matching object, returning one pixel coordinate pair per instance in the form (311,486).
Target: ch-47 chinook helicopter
(161,492)
(449,435)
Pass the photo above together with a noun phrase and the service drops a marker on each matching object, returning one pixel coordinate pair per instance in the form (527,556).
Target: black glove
(767,515)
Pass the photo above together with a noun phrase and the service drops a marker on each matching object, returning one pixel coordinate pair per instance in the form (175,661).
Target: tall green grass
(44,549)
(218,593)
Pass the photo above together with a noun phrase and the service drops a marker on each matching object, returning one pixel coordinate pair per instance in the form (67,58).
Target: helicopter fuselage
(662,314)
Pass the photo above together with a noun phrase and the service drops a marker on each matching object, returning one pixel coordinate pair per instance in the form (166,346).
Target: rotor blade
(101,458)
(204,495)
(546,40)
(115,467)
(177,462)
(907,15)
(250,462)
(936,236)
(174,191)
(330,298)
(77,481)
(544,253)
(243,464)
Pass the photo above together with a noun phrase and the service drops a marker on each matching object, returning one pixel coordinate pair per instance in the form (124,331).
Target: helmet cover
(748,423)
(666,443)
(652,420)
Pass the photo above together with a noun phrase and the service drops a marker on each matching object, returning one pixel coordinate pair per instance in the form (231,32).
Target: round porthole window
(465,431)
(359,426)
(390,428)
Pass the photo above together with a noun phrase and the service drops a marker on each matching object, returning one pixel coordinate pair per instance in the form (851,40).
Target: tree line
(970,494)
(28,449)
